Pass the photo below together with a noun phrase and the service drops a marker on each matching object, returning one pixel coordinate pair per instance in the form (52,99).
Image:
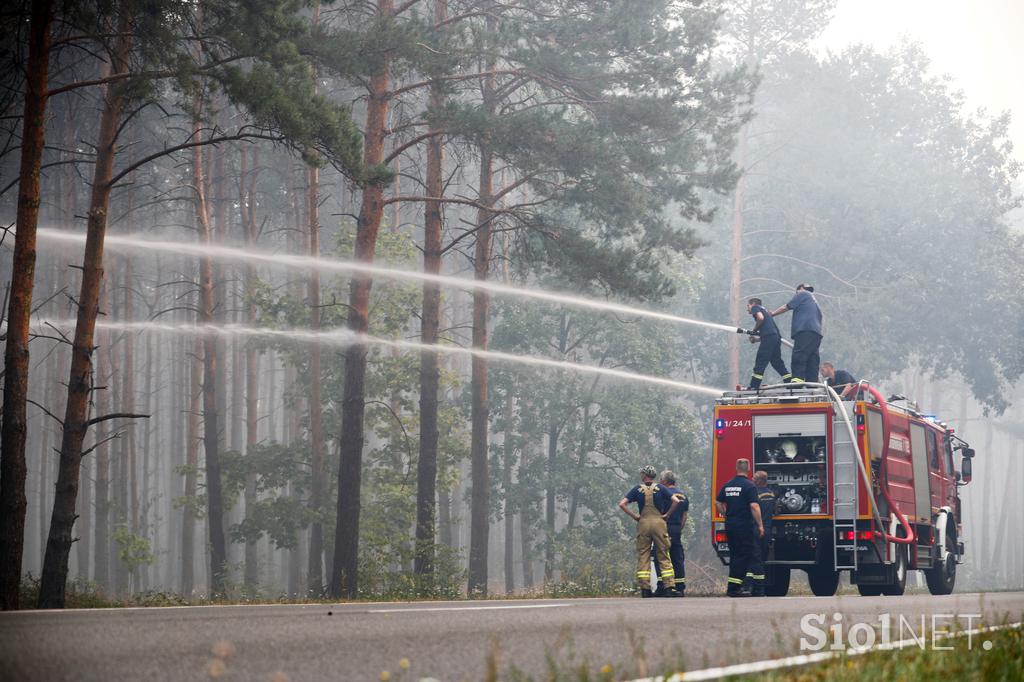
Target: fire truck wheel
(942,578)
(777,581)
(899,583)
(823,581)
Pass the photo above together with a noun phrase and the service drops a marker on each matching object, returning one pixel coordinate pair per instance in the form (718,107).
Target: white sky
(979,43)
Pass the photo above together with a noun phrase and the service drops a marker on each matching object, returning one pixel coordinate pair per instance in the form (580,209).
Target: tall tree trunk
(736,259)
(248,205)
(581,465)
(430,373)
(211,430)
(480,412)
(525,519)
(101,552)
(192,436)
(147,404)
(314,572)
(506,487)
(344,579)
(127,371)
(58,544)
(554,431)
(13,469)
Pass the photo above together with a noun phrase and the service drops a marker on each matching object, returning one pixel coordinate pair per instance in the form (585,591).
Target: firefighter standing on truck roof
(770,350)
(806,333)
(737,502)
(766,501)
(655,505)
(675,523)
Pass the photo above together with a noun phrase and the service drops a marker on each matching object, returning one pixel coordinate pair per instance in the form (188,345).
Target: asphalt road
(449,640)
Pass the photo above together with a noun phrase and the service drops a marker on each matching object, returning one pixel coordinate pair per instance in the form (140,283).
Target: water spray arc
(344,337)
(329,264)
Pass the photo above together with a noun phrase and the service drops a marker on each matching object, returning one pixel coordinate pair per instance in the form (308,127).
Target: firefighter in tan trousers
(655,505)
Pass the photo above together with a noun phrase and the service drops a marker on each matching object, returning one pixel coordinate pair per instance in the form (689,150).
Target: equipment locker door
(922,481)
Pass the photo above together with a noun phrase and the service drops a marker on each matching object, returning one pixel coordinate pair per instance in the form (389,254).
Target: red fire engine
(867,486)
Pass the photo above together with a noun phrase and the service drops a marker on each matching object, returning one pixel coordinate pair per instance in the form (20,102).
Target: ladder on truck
(844,496)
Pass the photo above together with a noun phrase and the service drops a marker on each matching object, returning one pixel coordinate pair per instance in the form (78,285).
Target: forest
(292,288)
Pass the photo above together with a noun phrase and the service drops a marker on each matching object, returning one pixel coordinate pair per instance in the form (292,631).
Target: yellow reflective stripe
(735,581)
(797,380)
(756,577)
(787,376)
(757,376)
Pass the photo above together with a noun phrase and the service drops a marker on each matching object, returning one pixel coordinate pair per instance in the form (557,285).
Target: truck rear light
(721,537)
(860,535)
(719,428)
(860,423)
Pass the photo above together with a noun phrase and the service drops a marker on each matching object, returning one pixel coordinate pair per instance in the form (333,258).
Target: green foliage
(899,217)
(280,475)
(132,550)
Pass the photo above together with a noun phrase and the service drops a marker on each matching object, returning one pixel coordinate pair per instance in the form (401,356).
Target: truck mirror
(965,467)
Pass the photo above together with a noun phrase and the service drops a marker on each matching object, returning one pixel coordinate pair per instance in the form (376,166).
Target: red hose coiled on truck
(911,536)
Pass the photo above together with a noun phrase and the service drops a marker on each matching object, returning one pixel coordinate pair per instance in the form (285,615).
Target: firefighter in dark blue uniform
(840,380)
(806,333)
(770,350)
(737,502)
(676,520)
(766,501)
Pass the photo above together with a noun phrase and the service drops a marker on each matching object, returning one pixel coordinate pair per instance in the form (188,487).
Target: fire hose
(752,332)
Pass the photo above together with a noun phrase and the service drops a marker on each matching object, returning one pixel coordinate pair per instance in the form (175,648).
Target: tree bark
(13,468)
(101,552)
(314,573)
(58,544)
(525,520)
(736,260)
(480,412)
(211,430)
(506,487)
(188,525)
(430,372)
(247,202)
(344,580)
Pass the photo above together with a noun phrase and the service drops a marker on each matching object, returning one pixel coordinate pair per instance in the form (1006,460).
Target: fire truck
(866,485)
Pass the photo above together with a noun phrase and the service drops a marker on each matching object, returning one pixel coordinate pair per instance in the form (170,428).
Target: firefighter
(675,523)
(766,502)
(737,502)
(839,379)
(655,506)
(770,350)
(806,333)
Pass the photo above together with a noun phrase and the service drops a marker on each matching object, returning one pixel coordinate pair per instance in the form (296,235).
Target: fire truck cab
(868,486)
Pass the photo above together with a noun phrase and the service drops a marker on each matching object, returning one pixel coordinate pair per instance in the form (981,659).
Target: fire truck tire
(869,590)
(942,578)
(823,581)
(776,582)
(899,584)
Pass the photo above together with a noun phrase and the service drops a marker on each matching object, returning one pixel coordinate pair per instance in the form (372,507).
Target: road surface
(450,640)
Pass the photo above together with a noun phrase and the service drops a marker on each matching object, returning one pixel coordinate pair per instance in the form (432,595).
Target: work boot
(646,593)
(757,591)
(737,590)
(681,591)
(666,592)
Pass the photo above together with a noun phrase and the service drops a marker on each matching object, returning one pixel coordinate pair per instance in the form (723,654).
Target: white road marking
(807,659)
(469,608)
